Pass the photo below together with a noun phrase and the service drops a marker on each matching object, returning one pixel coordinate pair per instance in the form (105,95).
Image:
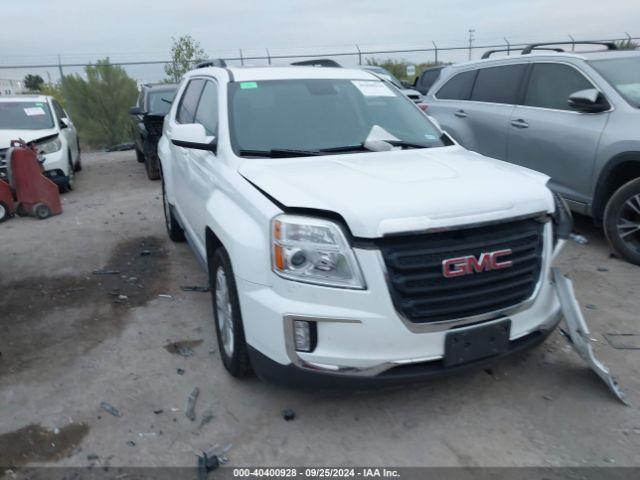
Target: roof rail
(318,62)
(535,46)
(488,53)
(214,62)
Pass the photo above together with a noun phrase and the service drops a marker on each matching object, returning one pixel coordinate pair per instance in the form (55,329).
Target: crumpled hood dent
(387,193)
(27,135)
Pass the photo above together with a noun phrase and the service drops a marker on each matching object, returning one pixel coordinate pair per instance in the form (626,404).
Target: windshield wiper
(362,148)
(280,153)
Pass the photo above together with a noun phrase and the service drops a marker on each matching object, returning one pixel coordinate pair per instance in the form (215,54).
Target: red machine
(35,194)
(7,205)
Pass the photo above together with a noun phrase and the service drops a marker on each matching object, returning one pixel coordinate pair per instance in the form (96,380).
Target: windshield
(624,75)
(157,101)
(25,116)
(323,114)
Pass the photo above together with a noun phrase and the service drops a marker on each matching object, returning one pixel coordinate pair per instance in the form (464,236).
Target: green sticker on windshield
(246,85)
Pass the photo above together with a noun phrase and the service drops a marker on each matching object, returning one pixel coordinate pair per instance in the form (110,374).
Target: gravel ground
(71,339)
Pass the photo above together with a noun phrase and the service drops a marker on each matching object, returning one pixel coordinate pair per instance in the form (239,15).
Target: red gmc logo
(457,267)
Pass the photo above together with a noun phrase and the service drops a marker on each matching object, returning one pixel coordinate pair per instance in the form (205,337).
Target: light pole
(471,39)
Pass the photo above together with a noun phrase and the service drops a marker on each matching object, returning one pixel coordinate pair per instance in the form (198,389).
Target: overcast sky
(35,31)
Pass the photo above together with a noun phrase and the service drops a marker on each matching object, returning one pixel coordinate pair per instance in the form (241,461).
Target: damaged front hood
(6,136)
(381,193)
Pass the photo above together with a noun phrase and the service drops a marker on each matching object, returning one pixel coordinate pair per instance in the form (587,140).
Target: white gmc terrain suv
(347,238)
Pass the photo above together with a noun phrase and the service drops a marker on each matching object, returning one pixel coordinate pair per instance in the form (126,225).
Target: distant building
(11,87)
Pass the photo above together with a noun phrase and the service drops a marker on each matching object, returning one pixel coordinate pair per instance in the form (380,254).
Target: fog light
(304,335)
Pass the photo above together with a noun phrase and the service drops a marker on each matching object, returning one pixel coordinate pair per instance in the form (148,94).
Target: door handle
(519,123)
(461,114)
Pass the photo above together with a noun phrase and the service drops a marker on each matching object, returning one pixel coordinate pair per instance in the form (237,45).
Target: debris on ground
(207,464)
(288,414)
(579,239)
(184,348)
(106,272)
(164,295)
(147,434)
(590,306)
(92,456)
(603,269)
(190,410)
(623,341)
(121,147)
(131,443)
(207,417)
(158,411)
(194,288)
(579,336)
(145,253)
(180,371)
(107,407)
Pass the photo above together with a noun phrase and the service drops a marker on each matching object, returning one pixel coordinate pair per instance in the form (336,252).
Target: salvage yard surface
(100,349)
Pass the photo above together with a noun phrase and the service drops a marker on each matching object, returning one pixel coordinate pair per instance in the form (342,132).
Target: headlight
(562,219)
(51,146)
(315,251)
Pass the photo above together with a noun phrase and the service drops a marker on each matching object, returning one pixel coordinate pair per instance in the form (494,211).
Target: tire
(42,211)
(227,316)
(152,167)
(4,212)
(622,221)
(174,230)
(68,185)
(139,156)
(78,167)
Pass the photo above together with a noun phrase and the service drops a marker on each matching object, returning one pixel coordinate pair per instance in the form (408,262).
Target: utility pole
(471,39)
(60,68)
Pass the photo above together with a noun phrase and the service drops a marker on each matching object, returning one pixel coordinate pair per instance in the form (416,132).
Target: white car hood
(27,135)
(383,193)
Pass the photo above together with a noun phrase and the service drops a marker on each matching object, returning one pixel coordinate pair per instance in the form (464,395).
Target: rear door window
(551,84)
(458,87)
(189,101)
(498,84)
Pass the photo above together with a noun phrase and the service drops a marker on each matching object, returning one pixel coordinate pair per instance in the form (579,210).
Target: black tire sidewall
(238,364)
(611,214)
(174,230)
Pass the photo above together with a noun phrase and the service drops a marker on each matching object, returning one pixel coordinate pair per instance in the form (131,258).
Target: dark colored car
(426,79)
(153,104)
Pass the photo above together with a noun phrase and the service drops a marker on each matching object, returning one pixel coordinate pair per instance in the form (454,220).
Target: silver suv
(572,116)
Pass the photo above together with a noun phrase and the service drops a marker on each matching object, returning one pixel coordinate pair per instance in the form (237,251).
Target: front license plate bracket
(470,344)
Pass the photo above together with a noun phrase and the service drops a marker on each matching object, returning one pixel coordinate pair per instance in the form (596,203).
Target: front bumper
(56,167)
(361,336)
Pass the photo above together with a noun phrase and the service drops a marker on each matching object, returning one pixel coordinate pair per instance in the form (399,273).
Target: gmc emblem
(457,267)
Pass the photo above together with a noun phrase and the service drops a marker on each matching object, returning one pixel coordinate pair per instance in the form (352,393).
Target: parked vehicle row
(41,120)
(574,117)
(148,114)
(348,239)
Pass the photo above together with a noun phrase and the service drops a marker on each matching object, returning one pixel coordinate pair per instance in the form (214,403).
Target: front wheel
(622,221)
(174,230)
(152,167)
(139,156)
(67,186)
(227,316)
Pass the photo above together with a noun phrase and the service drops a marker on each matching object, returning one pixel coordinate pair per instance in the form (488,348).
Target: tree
(100,104)
(33,83)
(185,53)
(626,44)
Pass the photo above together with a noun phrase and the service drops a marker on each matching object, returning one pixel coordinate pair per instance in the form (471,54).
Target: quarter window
(498,84)
(189,101)
(459,87)
(207,113)
(551,84)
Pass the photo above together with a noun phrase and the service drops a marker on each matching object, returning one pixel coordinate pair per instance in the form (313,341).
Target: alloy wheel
(224,311)
(629,223)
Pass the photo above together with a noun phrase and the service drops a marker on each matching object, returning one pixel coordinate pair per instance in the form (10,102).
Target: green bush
(99,105)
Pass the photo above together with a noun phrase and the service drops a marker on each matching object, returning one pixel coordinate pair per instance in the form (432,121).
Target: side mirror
(194,136)
(588,101)
(136,111)
(64,123)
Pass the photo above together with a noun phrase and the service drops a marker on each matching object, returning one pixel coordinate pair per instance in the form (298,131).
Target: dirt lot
(71,339)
